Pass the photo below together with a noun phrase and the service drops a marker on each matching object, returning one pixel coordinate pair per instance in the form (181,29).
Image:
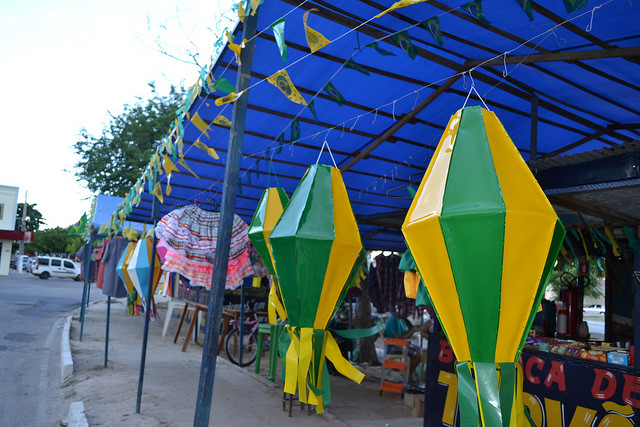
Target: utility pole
(22,228)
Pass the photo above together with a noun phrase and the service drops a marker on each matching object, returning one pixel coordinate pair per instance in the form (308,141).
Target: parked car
(594,309)
(26,264)
(48,266)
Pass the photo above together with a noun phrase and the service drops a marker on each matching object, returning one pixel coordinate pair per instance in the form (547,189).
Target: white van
(50,266)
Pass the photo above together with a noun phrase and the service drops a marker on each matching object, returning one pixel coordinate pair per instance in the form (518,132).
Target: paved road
(32,313)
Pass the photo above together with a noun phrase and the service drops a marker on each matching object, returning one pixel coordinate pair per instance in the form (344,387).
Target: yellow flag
(282,81)
(168,189)
(254,6)
(236,48)
(168,166)
(398,5)
(204,147)
(232,97)
(222,121)
(157,191)
(315,40)
(240,11)
(103,229)
(186,166)
(200,124)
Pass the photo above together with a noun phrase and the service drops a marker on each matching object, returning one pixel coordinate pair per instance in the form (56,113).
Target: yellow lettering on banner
(554,412)
(451,401)
(535,407)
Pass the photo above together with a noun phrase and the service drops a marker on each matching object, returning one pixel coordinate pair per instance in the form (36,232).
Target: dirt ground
(170,384)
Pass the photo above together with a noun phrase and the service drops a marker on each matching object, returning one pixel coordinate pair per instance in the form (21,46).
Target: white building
(8,210)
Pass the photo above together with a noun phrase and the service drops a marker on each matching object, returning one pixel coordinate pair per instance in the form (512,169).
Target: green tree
(560,279)
(33,219)
(112,162)
(53,241)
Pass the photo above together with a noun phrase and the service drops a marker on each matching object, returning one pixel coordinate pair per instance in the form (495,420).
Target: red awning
(26,236)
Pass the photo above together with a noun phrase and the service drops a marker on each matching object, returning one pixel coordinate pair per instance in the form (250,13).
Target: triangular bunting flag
(168,166)
(241,12)
(312,107)
(432,25)
(403,40)
(254,6)
(355,66)
(157,191)
(222,121)
(278,33)
(280,143)
(334,94)
(224,85)
(236,48)
(200,124)
(474,8)
(380,50)
(295,130)
(209,150)
(398,5)
(526,6)
(315,40)
(573,5)
(232,97)
(282,81)
(186,166)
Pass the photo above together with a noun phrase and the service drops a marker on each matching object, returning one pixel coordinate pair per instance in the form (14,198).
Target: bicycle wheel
(248,349)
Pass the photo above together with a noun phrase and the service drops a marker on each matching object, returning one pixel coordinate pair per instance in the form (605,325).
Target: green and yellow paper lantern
(485,238)
(270,208)
(316,249)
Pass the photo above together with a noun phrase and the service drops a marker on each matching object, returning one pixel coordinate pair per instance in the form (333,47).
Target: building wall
(8,210)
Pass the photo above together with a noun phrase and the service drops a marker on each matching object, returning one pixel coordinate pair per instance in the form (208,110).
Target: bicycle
(249,340)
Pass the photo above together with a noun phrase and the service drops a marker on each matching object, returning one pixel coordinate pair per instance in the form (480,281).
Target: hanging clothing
(113,286)
(82,256)
(390,286)
(191,234)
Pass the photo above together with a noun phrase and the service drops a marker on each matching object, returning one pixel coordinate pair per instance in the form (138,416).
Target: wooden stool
(274,332)
(288,398)
(198,309)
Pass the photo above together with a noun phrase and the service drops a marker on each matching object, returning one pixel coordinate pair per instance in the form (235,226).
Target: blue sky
(67,64)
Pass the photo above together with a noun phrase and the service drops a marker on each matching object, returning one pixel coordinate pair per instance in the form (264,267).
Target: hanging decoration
(139,269)
(282,81)
(573,5)
(315,40)
(403,40)
(209,150)
(334,94)
(278,33)
(222,121)
(199,123)
(123,272)
(398,5)
(235,48)
(355,66)
(474,8)
(319,231)
(526,6)
(224,85)
(232,97)
(79,227)
(157,191)
(269,211)
(295,130)
(432,25)
(477,214)
(381,51)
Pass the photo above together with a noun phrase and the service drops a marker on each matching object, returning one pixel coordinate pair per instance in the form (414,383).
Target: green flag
(280,143)
(224,85)
(432,25)
(79,227)
(380,50)
(355,66)
(334,94)
(474,8)
(295,130)
(526,6)
(573,5)
(403,40)
(312,107)
(278,33)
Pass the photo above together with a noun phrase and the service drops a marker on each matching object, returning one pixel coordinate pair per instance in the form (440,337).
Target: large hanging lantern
(139,268)
(270,208)
(484,237)
(316,249)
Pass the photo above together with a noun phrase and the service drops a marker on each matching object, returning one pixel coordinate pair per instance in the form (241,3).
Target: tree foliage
(112,162)
(54,241)
(561,278)
(33,218)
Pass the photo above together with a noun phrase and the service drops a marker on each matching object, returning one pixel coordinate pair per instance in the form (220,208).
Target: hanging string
(326,144)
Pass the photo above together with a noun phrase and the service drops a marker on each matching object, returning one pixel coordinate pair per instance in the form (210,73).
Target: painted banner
(558,391)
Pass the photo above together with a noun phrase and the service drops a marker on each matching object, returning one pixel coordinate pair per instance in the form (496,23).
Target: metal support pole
(85,293)
(231,177)
(147,313)
(636,309)
(241,325)
(106,335)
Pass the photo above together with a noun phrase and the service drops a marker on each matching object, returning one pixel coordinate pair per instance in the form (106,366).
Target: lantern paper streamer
(316,249)
(267,214)
(484,238)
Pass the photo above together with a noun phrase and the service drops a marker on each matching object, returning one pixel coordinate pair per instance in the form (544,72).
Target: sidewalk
(240,397)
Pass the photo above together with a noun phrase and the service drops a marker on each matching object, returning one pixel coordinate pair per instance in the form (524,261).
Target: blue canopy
(563,79)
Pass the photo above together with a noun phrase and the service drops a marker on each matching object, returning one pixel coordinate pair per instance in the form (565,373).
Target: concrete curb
(76,417)
(66,361)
